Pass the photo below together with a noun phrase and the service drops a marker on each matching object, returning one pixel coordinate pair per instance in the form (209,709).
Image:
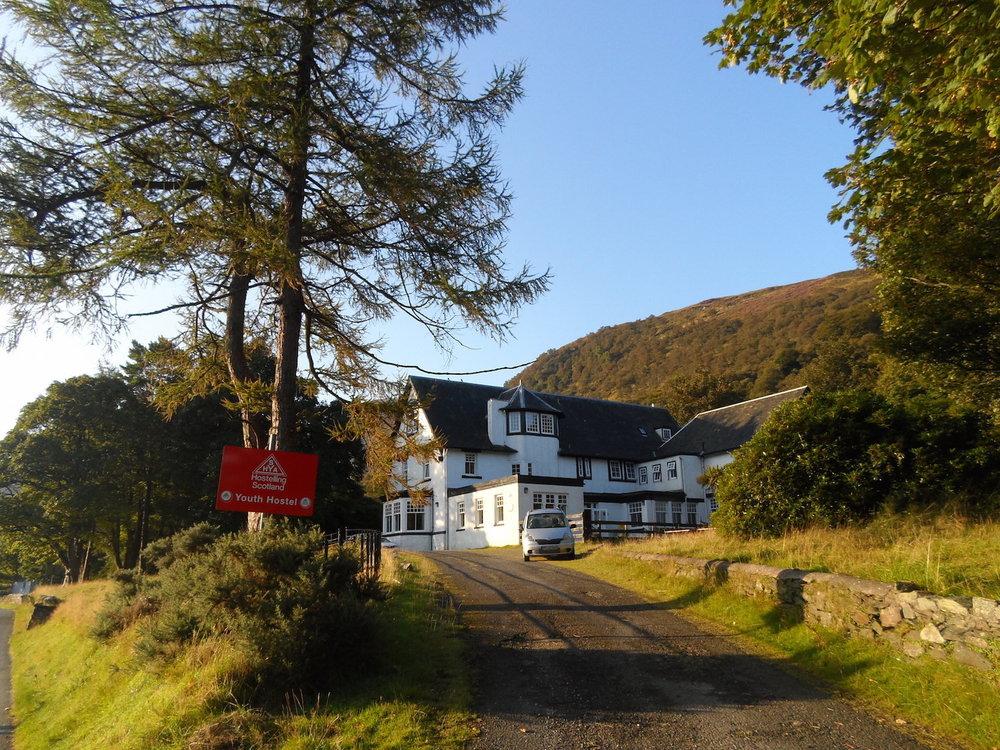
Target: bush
(164,552)
(832,459)
(295,617)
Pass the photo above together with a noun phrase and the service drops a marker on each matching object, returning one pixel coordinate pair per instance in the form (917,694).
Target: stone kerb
(964,629)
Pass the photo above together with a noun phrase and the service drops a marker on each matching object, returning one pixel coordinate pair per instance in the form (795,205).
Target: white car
(547,532)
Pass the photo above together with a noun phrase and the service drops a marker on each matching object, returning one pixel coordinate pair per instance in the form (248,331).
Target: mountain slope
(722,350)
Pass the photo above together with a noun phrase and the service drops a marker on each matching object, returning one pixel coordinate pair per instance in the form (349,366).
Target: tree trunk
(253,422)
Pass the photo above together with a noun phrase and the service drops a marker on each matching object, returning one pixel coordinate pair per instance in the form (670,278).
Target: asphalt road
(6,720)
(564,660)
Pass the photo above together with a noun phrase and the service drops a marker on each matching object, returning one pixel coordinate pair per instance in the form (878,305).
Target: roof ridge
(748,401)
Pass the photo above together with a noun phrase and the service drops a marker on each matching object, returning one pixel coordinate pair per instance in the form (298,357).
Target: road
(564,660)
(6,719)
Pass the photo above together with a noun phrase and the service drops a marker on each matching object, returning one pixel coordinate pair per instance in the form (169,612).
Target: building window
(470,464)
(630,471)
(713,503)
(548,501)
(414,517)
(635,512)
(671,470)
(387,521)
(461,514)
(531,422)
(498,510)
(548,424)
(515,468)
(692,514)
(583,468)
(676,513)
(596,513)
(427,469)
(479,512)
(561,502)
(643,475)
(536,501)
(397,515)
(529,468)
(657,473)
(615,470)
(661,512)
(513,421)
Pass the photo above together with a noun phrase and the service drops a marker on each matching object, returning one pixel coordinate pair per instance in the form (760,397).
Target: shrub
(164,552)
(836,458)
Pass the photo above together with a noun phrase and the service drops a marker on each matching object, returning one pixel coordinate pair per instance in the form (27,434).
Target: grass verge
(73,691)
(946,554)
(949,701)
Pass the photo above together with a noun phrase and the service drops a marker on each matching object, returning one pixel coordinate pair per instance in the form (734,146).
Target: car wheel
(527,558)
(571,555)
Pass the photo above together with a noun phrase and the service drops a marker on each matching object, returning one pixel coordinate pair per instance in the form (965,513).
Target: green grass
(947,700)
(72,691)
(946,554)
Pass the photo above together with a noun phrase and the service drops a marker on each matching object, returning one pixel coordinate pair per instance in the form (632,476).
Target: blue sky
(646,178)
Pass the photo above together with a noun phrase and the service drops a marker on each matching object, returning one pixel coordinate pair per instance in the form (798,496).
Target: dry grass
(944,554)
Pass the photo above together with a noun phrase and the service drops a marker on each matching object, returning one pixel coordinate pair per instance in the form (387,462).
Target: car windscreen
(546,521)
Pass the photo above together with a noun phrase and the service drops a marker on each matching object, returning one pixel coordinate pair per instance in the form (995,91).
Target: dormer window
(531,422)
(513,422)
(642,431)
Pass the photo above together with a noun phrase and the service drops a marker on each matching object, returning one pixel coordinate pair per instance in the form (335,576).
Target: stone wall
(964,629)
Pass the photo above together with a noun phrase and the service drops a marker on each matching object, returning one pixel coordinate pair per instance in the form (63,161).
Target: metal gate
(367,543)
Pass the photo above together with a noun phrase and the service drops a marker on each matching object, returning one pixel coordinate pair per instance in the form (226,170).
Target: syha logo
(269,475)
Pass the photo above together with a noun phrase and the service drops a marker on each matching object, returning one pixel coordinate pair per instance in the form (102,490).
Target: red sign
(260,481)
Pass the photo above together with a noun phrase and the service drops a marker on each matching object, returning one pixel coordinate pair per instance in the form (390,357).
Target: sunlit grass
(947,700)
(944,554)
(73,691)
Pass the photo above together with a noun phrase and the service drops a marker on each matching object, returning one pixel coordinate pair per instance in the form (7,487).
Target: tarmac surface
(564,660)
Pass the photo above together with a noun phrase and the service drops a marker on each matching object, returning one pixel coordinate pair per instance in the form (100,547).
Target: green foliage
(164,552)
(295,614)
(725,350)
(833,459)
(919,82)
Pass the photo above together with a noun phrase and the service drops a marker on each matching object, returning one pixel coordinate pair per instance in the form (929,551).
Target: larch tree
(302,169)
(919,81)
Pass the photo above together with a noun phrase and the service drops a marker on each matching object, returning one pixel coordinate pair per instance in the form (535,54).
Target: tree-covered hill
(818,332)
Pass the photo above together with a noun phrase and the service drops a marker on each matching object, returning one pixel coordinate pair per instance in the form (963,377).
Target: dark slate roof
(588,426)
(726,428)
(521,398)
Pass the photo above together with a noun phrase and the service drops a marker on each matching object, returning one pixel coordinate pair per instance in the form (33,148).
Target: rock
(965,655)
(913,649)
(923,604)
(407,566)
(908,596)
(907,611)
(42,611)
(953,606)
(931,634)
(890,617)
(936,652)
(975,640)
(985,608)
(861,618)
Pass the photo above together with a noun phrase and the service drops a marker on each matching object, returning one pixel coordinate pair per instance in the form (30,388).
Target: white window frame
(657,472)
(460,512)
(596,513)
(676,512)
(713,501)
(584,468)
(615,470)
(414,512)
(529,468)
(513,422)
(662,512)
(515,468)
(531,423)
(629,471)
(498,510)
(692,514)
(561,502)
(427,469)
(635,509)
(548,424)
(479,515)
(471,459)
(643,475)
(671,470)
(537,501)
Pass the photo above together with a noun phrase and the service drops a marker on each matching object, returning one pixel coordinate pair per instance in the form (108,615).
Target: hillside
(722,350)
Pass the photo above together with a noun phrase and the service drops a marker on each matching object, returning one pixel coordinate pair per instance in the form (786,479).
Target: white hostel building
(507,451)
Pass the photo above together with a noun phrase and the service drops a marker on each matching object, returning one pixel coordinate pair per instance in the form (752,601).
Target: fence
(367,542)
(586,529)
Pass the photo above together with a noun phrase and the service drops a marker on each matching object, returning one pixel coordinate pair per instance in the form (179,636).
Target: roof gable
(726,428)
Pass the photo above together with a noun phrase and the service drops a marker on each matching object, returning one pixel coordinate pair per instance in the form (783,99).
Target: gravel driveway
(564,660)
(6,720)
